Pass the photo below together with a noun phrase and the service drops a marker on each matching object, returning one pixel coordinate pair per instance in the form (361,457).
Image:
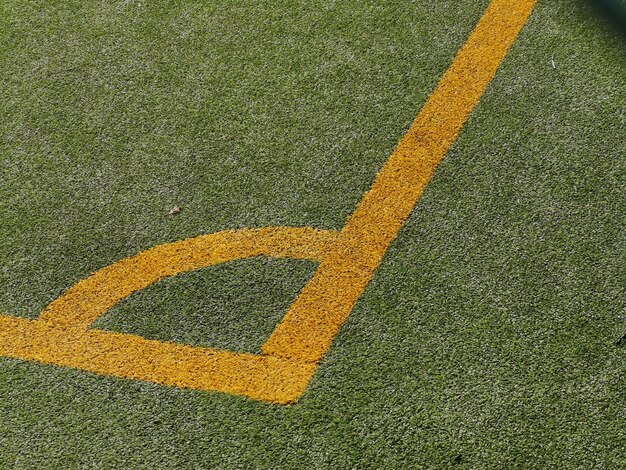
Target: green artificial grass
(489,336)
(233,306)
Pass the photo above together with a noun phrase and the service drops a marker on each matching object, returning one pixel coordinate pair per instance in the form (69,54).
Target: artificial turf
(488,337)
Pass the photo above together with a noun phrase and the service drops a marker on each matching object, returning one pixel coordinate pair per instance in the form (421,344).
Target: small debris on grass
(174,210)
(553,63)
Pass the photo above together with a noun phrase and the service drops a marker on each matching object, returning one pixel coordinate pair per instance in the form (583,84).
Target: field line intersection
(348,260)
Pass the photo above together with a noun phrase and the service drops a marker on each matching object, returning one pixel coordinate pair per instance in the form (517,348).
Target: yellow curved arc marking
(60,336)
(348,260)
(89,299)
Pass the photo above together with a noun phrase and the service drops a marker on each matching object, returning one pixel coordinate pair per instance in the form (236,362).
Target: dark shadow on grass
(613,11)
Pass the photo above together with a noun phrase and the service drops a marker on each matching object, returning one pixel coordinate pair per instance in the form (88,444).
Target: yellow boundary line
(348,260)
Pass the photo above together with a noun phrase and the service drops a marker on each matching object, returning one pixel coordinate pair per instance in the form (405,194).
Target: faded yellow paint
(348,260)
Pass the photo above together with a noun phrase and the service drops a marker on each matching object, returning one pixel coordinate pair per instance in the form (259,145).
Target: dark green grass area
(232,306)
(488,338)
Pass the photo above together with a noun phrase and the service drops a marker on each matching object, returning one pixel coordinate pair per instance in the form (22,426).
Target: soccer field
(283,234)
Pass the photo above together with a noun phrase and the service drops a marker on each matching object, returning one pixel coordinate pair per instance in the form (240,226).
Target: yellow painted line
(264,378)
(89,299)
(348,260)
(61,336)
(312,322)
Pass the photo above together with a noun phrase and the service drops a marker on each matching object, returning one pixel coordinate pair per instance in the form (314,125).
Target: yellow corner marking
(61,336)
(264,378)
(314,319)
(348,260)
(92,297)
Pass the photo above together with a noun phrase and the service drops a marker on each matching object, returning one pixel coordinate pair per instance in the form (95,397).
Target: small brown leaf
(174,210)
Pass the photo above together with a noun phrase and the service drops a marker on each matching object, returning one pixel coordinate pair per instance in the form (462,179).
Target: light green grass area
(487,338)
